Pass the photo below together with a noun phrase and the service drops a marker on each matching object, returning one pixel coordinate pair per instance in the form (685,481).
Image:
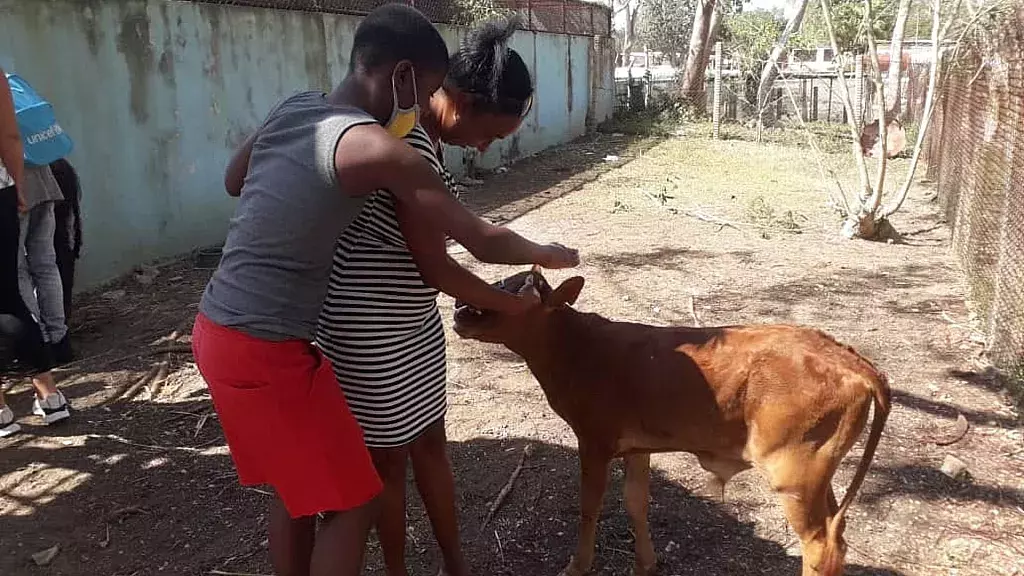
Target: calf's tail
(835,549)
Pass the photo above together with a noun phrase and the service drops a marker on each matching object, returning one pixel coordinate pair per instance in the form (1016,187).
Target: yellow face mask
(403,120)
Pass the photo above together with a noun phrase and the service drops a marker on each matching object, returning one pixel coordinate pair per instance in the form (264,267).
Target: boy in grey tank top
(301,179)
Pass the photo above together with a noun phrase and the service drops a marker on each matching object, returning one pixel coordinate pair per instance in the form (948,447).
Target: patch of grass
(1014,380)
(760,212)
(645,124)
(829,138)
(664,117)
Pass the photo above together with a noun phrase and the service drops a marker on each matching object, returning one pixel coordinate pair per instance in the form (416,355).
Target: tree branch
(929,109)
(876,74)
(847,100)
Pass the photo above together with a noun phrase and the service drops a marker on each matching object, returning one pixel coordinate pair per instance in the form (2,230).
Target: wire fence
(976,154)
(574,17)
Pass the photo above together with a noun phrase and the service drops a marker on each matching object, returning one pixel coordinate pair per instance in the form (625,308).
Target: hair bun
(495,33)
(489,41)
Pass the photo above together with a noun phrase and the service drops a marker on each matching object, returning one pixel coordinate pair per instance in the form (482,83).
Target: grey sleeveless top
(277,258)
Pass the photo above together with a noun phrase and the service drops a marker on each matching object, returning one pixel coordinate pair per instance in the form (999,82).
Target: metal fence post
(716,106)
(858,78)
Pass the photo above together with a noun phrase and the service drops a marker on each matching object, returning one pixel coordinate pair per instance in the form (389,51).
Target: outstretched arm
(368,159)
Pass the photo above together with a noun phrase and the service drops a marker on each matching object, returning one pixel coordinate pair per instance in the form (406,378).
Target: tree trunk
(771,68)
(629,33)
(695,71)
(713,30)
(929,109)
(893,89)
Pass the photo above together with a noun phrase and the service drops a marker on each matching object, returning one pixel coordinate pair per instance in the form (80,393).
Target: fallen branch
(175,349)
(126,442)
(736,225)
(126,391)
(693,312)
(507,489)
(959,431)
(710,219)
(202,422)
(126,511)
(161,377)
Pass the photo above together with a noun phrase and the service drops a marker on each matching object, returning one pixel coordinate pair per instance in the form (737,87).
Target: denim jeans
(29,346)
(38,275)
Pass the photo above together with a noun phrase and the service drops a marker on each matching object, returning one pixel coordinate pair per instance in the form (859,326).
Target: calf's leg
(803,483)
(593,483)
(637,494)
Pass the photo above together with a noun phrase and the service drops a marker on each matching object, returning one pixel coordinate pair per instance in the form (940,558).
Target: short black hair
(396,32)
(487,68)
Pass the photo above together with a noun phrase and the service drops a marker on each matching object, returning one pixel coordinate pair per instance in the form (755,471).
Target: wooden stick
(126,442)
(161,377)
(693,312)
(201,423)
(124,391)
(175,349)
(507,489)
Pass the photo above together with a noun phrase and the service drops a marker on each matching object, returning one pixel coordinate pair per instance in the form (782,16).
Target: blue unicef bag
(42,137)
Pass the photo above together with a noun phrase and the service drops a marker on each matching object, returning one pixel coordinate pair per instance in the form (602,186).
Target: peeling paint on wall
(175,87)
(134,44)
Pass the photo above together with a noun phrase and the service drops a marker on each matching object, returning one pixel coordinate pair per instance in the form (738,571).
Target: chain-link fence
(574,17)
(976,154)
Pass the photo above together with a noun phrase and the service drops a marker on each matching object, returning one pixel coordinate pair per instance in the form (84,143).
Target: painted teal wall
(157,94)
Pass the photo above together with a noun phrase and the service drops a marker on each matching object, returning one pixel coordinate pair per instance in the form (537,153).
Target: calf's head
(498,328)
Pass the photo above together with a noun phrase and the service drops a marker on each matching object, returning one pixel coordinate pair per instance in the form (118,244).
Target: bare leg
(341,543)
(436,484)
(291,541)
(44,384)
(391,465)
(637,495)
(593,483)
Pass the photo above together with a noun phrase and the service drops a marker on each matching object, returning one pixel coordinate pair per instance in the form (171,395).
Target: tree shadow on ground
(142,489)
(535,532)
(665,257)
(950,411)
(138,488)
(930,484)
(537,180)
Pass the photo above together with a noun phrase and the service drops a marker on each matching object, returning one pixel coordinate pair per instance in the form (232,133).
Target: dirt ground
(146,486)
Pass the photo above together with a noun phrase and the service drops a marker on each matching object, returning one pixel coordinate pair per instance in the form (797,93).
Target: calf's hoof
(641,570)
(574,569)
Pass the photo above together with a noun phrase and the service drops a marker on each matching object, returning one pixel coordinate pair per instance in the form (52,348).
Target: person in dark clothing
(28,345)
(26,341)
(67,240)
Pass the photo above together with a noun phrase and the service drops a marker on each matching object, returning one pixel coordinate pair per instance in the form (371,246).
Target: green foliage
(665,25)
(848,21)
(469,12)
(664,117)
(749,37)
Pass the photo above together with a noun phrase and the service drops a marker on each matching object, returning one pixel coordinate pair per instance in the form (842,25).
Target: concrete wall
(157,94)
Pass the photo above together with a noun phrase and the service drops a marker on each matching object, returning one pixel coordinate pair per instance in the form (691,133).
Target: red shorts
(285,419)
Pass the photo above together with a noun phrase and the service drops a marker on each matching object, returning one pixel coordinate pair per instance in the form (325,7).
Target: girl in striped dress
(380,325)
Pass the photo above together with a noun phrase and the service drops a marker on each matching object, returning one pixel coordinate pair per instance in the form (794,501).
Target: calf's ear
(566,293)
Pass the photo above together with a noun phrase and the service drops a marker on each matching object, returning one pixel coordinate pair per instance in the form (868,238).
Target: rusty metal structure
(573,17)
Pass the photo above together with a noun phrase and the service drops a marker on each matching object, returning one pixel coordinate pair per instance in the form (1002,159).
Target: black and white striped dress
(380,325)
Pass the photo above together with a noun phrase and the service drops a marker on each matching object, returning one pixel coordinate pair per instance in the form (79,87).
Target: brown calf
(790,401)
